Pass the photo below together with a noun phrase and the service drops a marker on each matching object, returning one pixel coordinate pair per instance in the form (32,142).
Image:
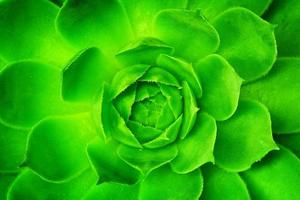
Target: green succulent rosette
(142,99)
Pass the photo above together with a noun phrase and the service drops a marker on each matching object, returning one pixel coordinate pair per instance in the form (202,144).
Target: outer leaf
(221,87)
(29,185)
(13,146)
(108,165)
(197,148)
(279,91)
(244,138)
(247,42)
(198,37)
(285,14)
(143,51)
(88,23)
(6,180)
(57,146)
(291,142)
(212,8)
(147,160)
(163,184)
(29,92)
(31,33)
(106,191)
(182,70)
(276,177)
(83,76)
(142,12)
(220,184)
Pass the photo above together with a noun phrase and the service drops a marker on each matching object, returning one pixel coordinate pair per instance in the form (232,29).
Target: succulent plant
(149,99)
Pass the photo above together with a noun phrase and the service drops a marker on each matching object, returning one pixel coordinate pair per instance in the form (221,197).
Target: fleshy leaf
(290,141)
(108,165)
(220,184)
(126,77)
(168,136)
(143,133)
(174,98)
(142,12)
(247,42)
(220,85)
(83,76)
(279,91)
(188,31)
(147,160)
(158,75)
(29,92)
(182,70)
(124,101)
(212,8)
(113,124)
(29,185)
(13,143)
(190,110)
(31,33)
(285,14)
(87,23)
(276,177)
(240,144)
(163,184)
(57,146)
(112,191)
(197,148)
(143,51)
(6,179)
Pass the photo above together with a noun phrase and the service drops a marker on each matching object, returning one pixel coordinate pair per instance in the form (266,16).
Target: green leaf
(108,165)
(146,160)
(279,91)
(123,103)
(30,91)
(188,31)
(29,185)
(146,90)
(159,75)
(113,124)
(6,179)
(190,110)
(143,133)
(57,146)
(290,141)
(110,191)
(182,70)
(163,184)
(83,76)
(197,148)
(220,85)
(87,23)
(31,33)
(126,77)
(276,177)
(168,136)
(142,12)
(13,142)
(143,51)
(247,42)
(220,184)
(245,138)
(212,8)
(285,14)
(174,98)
